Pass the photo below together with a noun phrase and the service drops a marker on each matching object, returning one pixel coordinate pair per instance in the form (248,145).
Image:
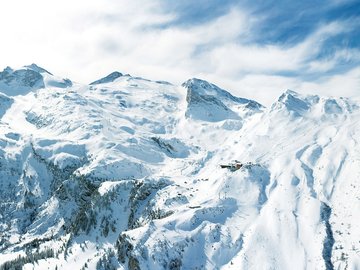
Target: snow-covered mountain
(125,173)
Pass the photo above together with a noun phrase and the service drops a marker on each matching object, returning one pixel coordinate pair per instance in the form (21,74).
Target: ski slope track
(124,173)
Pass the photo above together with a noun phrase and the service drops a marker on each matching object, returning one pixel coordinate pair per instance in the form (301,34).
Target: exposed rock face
(207,102)
(109,78)
(14,82)
(5,103)
(38,69)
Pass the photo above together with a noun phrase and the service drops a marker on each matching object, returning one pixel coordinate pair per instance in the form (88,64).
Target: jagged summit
(37,68)
(21,81)
(208,102)
(314,106)
(29,78)
(109,78)
(290,94)
(293,102)
(202,87)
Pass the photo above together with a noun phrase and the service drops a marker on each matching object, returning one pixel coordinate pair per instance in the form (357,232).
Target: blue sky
(255,49)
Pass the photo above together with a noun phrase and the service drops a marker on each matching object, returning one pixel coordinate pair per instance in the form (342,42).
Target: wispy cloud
(254,49)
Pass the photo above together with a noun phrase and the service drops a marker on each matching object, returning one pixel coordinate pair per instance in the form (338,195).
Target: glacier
(124,173)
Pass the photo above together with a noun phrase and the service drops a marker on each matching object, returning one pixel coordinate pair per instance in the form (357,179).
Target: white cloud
(345,85)
(85,40)
(347,56)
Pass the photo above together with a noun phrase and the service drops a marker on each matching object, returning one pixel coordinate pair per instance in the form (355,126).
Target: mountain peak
(21,81)
(109,78)
(202,87)
(208,102)
(194,81)
(37,68)
(295,103)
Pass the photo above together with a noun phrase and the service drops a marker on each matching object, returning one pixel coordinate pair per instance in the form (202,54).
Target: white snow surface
(125,173)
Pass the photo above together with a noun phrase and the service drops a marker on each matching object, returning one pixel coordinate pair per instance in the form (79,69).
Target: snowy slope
(124,173)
